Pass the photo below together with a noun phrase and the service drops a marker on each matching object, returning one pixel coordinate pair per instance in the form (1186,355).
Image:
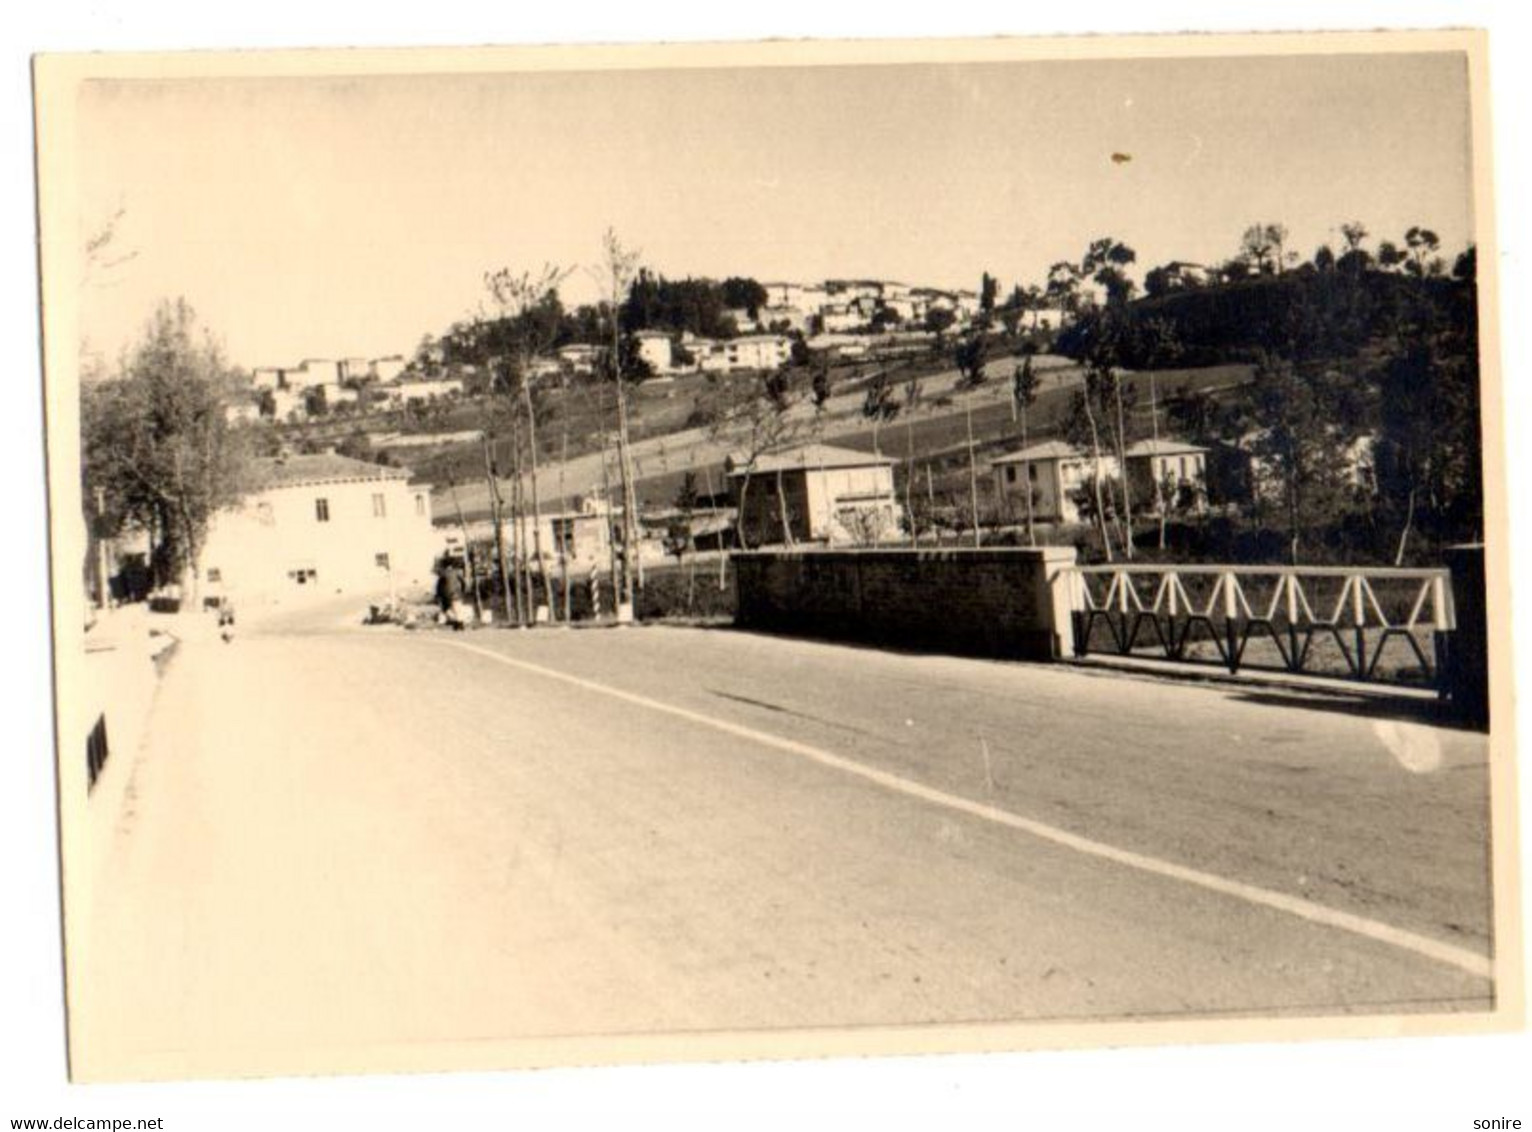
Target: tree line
(1362,416)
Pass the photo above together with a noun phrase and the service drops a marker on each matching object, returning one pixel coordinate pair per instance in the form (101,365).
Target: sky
(331,217)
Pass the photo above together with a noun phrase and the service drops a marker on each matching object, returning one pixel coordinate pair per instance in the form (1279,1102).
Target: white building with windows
(322,525)
(581,357)
(730,355)
(422,391)
(1056,473)
(838,318)
(656,348)
(777,318)
(816,493)
(313,371)
(757,351)
(1167,472)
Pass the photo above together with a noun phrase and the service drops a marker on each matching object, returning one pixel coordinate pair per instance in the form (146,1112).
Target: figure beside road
(449,594)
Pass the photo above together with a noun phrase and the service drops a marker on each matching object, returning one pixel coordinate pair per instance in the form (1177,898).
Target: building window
(214,575)
(381,558)
(379,506)
(564,537)
(420,503)
(322,510)
(1010,473)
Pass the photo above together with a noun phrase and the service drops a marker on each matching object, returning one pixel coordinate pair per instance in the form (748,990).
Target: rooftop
(1162,448)
(1047,450)
(322,467)
(815,457)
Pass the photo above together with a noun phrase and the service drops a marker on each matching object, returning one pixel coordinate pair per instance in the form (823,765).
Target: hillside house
(758,351)
(242,411)
(1167,471)
(730,355)
(581,357)
(314,371)
(422,391)
(389,368)
(840,345)
(656,348)
(577,539)
(1056,473)
(838,318)
(824,494)
(784,318)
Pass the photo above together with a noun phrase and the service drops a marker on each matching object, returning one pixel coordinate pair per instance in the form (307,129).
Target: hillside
(1303,313)
(936,432)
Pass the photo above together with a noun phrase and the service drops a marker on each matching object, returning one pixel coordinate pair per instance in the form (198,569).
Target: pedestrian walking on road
(449,594)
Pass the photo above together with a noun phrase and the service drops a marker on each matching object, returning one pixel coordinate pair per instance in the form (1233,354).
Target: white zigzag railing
(1215,613)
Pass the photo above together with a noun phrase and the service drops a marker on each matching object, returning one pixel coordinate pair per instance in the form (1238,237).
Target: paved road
(343,837)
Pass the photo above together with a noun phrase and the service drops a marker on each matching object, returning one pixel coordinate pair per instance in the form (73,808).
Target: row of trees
(1363,411)
(520,320)
(1265,249)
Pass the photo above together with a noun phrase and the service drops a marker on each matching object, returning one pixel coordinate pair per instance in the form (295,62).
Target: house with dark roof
(322,524)
(816,493)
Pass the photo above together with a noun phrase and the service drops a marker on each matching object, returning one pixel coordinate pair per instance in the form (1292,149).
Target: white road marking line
(1462,958)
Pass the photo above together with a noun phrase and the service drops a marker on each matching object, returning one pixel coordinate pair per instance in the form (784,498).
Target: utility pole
(973,473)
(620,264)
(611,542)
(388,542)
(566,540)
(723,555)
(103,596)
(537,512)
(931,506)
(1159,489)
(497,512)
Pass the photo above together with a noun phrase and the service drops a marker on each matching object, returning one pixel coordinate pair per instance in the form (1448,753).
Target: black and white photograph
(573,556)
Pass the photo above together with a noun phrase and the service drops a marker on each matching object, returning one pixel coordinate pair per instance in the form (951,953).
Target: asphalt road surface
(342,838)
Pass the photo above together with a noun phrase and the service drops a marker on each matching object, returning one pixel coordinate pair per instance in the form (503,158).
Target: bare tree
(879,404)
(912,395)
(758,419)
(1023,396)
(618,268)
(519,299)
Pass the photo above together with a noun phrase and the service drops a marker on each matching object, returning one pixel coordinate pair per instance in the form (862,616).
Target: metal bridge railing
(1314,620)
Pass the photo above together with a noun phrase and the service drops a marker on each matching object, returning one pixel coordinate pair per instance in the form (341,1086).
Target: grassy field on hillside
(938,433)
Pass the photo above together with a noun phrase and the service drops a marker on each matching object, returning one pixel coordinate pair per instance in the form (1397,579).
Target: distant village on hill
(836,318)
